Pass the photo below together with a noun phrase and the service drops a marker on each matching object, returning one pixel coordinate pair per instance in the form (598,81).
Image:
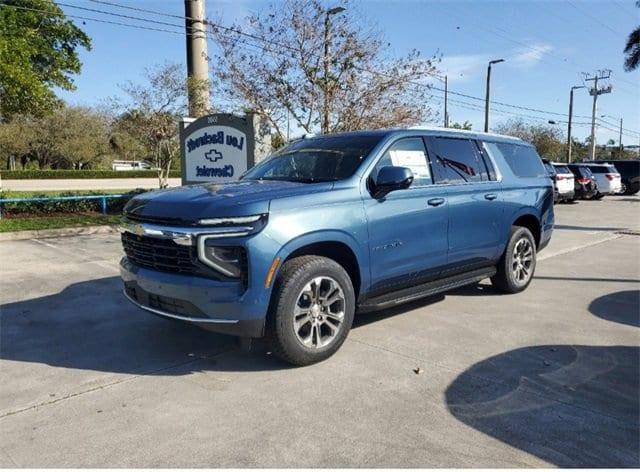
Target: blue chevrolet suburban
(337,224)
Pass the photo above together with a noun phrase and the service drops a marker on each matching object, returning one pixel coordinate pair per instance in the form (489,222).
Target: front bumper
(212,305)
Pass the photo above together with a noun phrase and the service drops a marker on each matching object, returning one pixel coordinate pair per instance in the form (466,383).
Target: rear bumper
(566,194)
(209,304)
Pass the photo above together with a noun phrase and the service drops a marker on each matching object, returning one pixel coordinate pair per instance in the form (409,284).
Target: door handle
(434,202)
(490,196)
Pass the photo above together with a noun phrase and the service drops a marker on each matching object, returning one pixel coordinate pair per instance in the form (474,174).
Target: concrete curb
(58,233)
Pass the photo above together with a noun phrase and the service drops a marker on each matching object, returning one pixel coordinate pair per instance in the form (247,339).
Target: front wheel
(517,265)
(311,311)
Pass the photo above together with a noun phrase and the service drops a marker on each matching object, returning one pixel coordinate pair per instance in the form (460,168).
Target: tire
(508,278)
(598,196)
(301,313)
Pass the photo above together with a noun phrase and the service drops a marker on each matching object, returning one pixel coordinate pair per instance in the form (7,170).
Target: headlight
(228,260)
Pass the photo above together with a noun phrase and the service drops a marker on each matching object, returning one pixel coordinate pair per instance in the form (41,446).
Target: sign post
(218,148)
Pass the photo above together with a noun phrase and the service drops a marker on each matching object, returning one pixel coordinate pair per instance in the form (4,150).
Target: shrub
(49,207)
(81,174)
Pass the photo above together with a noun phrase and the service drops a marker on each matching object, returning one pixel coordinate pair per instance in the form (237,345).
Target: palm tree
(632,49)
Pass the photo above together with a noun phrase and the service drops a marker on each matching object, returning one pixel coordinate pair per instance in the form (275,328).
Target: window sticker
(414,160)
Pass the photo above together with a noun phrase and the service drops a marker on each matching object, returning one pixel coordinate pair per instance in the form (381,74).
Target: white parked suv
(607,178)
(564,182)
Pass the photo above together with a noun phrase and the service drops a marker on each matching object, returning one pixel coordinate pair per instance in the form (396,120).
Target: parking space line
(568,250)
(108,385)
(113,266)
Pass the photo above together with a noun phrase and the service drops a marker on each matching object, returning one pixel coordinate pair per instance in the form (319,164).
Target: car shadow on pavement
(91,326)
(620,307)
(572,406)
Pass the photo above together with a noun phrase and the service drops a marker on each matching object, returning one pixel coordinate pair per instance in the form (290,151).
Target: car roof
(432,130)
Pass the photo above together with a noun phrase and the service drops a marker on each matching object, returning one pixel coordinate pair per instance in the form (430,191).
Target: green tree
(14,145)
(548,140)
(632,48)
(466,125)
(38,52)
(68,138)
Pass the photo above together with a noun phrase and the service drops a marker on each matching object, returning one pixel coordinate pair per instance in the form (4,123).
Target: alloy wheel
(319,312)
(522,260)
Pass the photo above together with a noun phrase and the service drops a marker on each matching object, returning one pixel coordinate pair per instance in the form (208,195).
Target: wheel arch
(333,245)
(530,221)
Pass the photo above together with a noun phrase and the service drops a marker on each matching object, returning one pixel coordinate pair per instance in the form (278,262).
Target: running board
(425,290)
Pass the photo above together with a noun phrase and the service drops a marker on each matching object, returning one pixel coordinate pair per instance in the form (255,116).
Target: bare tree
(153,110)
(280,72)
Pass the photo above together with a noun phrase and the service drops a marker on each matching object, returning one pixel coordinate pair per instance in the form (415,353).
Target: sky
(547,46)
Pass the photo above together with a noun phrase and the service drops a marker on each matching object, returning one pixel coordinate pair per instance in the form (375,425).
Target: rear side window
(523,160)
(581,171)
(458,161)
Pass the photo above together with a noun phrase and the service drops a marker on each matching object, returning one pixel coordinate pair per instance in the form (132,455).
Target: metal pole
(593,119)
(486,103)
(569,126)
(446,97)
(325,110)
(620,140)
(197,57)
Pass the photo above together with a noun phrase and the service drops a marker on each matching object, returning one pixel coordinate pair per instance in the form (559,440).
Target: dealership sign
(216,148)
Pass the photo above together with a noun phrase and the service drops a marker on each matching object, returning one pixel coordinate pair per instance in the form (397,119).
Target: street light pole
(569,142)
(446,98)
(486,105)
(327,62)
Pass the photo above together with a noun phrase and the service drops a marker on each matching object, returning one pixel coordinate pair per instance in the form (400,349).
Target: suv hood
(193,202)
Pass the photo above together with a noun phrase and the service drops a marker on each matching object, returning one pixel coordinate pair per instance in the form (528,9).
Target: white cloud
(466,67)
(528,57)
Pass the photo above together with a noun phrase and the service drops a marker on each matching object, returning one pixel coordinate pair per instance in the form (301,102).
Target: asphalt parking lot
(548,377)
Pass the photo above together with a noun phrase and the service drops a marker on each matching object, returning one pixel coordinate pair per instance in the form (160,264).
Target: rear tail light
(584,180)
(559,177)
(610,176)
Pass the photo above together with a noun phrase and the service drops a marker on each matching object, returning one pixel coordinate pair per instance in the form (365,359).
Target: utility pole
(620,141)
(594,92)
(446,99)
(486,104)
(197,58)
(569,142)
(327,63)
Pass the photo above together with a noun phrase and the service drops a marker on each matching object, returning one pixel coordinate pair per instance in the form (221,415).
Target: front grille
(159,221)
(161,254)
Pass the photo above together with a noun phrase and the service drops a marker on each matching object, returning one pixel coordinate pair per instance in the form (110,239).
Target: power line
(274,43)
(595,19)
(255,46)
(92,19)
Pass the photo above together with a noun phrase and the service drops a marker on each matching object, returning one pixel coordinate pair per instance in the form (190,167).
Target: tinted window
(458,161)
(598,169)
(581,171)
(550,169)
(562,169)
(325,158)
(523,160)
(410,153)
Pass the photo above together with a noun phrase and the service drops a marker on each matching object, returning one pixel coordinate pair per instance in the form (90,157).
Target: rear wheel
(517,265)
(312,310)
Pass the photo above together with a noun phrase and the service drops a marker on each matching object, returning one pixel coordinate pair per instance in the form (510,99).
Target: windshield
(321,159)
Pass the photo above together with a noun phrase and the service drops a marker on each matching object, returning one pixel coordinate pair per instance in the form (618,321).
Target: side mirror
(391,178)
